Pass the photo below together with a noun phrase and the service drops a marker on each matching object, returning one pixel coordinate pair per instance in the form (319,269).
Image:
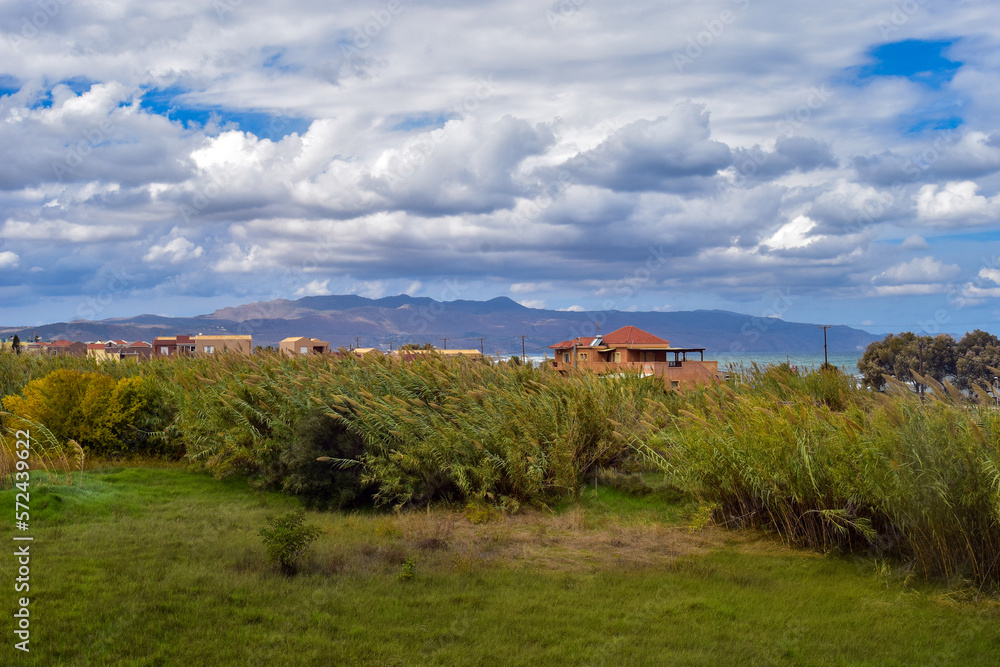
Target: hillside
(354,320)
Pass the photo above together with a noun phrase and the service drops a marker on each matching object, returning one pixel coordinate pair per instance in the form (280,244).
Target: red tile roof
(581,342)
(630,335)
(627,335)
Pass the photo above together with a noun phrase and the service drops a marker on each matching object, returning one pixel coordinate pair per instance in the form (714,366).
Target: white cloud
(315,288)
(914,242)
(955,201)
(920,270)
(527,288)
(908,290)
(992,275)
(573,309)
(491,145)
(174,251)
(794,234)
(60,230)
(532,303)
(9,260)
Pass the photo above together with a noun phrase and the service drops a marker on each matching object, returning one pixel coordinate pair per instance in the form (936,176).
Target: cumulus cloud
(914,242)
(314,288)
(956,201)
(918,270)
(9,260)
(671,153)
(242,153)
(174,251)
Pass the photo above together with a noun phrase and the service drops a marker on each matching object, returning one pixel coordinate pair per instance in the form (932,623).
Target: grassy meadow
(473,512)
(164,566)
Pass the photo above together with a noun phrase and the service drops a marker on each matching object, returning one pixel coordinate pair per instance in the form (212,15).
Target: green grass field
(165,566)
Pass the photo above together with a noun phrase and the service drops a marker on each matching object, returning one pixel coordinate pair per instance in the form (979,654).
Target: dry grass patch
(446,540)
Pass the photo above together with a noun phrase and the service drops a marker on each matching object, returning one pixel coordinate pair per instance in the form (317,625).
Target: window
(618,356)
(209,349)
(165,350)
(304,350)
(566,358)
(674,384)
(583,357)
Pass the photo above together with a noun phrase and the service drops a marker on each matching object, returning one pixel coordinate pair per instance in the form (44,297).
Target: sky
(821,162)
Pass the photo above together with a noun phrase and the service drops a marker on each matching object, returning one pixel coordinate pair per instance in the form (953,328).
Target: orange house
(631,349)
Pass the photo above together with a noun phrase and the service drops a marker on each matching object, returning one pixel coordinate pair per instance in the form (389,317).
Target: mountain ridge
(501,322)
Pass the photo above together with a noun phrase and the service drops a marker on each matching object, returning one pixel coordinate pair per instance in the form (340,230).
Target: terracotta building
(631,349)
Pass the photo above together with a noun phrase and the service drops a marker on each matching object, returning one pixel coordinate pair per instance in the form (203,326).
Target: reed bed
(829,465)
(825,463)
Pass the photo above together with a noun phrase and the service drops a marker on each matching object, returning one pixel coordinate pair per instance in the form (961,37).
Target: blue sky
(833,163)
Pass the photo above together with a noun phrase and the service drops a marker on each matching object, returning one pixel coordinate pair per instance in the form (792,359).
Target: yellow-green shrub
(103,415)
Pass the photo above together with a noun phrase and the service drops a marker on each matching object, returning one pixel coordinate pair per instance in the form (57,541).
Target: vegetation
(288,540)
(825,463)
(164,566)
(969,362)
(829,466)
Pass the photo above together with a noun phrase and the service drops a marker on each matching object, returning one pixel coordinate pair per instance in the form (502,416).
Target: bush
(104,416)
(323,484)
(287,540)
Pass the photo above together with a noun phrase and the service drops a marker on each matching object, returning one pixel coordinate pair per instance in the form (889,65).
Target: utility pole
(445,343)
(826,357)
(920,385)
(357,342)
(481,350)
(522,349)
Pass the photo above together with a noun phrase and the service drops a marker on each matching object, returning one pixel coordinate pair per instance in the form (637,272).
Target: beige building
(218,344)
(301,345)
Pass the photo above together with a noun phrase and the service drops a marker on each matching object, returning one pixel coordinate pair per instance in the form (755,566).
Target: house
(242,344)
(172,346)
(102,351)
(139,350)
(302,345)
(65,347)
(631,349)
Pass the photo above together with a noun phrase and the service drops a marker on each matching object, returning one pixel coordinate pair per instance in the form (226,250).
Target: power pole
(920,385)
(357,342)
(445,343)
(481,350)
(826,357)
(522,349)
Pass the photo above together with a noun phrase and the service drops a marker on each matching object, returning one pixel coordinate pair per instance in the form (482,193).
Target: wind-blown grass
(829,465)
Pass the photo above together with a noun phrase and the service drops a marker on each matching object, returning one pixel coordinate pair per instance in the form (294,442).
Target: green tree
(16,345)
(977,352)
(899,356)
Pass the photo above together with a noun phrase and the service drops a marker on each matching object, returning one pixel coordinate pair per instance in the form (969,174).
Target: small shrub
(409,569)
(288,540)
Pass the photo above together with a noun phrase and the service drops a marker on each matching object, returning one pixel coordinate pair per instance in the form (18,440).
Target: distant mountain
(347,320)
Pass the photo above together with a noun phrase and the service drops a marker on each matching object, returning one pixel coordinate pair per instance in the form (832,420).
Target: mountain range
(496,325)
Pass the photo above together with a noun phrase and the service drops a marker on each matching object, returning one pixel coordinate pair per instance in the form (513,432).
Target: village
(625,350)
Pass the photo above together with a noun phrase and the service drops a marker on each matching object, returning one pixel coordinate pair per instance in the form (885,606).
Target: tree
(16,345)
(899,356)
(976,353)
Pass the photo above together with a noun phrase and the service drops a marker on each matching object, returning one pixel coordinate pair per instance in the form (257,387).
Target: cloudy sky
(829,162)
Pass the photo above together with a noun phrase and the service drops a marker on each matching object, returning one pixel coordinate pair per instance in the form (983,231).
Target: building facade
(633,350)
